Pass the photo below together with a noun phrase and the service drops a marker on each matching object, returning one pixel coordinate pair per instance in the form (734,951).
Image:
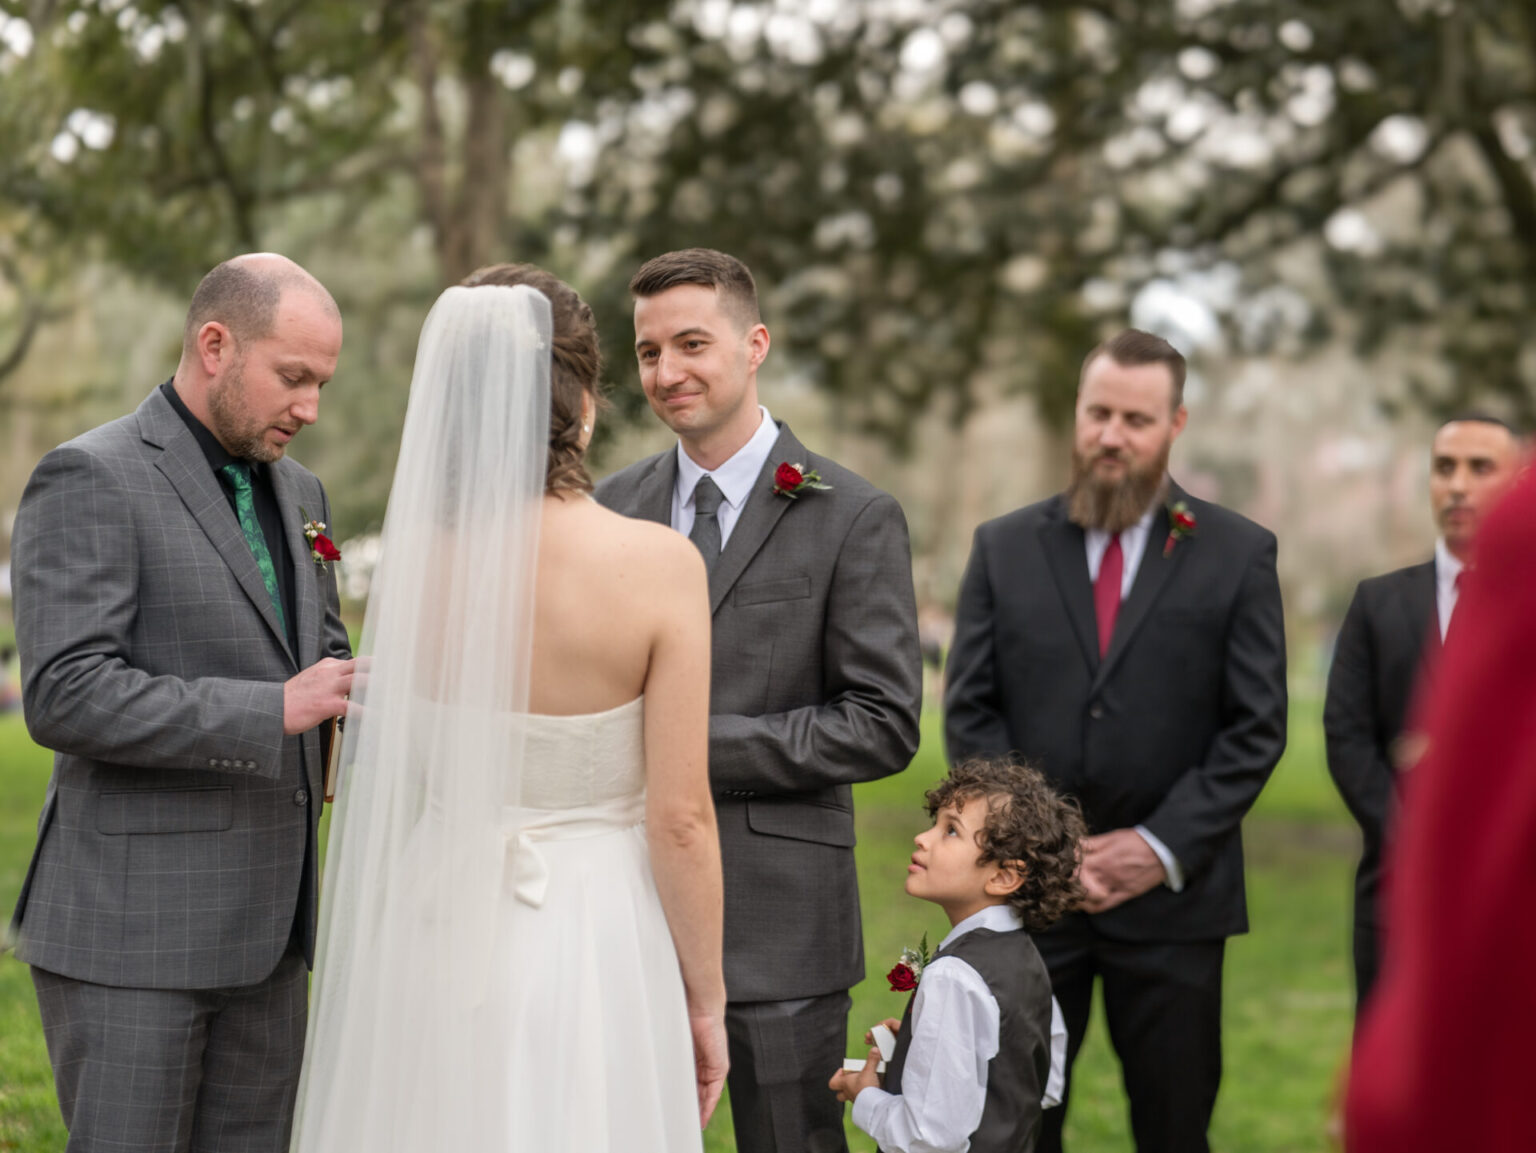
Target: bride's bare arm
(680,811)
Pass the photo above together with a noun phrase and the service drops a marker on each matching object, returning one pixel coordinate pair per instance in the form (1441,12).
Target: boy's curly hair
(1027,823)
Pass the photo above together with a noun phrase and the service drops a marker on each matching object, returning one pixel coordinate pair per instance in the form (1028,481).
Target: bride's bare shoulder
(642,545)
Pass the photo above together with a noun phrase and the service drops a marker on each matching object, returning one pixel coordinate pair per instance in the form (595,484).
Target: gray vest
(1011,966)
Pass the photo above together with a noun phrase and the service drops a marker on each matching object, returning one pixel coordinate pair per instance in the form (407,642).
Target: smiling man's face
(698,367)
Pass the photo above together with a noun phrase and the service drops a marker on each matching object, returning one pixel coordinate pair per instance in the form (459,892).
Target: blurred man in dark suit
(1443,1060)
(1394,627)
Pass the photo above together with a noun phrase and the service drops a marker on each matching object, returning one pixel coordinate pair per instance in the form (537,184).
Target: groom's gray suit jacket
(816,685)
(171,849)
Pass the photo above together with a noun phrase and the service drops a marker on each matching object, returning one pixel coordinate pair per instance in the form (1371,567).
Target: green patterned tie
(239,476)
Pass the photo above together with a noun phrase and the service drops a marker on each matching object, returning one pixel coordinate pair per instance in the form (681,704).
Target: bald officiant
(179,647)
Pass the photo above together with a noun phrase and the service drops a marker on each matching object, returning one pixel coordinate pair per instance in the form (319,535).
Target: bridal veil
(400,1054)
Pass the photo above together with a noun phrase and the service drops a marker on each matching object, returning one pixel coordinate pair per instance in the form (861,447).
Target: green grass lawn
(1287,1006)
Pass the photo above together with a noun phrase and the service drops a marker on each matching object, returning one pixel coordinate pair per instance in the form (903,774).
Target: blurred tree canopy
(932,193)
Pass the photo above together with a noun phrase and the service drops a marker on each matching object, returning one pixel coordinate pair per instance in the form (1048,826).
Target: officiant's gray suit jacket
(816,685)
(171,847)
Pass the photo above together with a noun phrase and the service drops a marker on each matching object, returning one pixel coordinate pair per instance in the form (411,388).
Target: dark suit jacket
(1443,1056)
(1176,729)
(1391,628)
(816,685)
(172,846)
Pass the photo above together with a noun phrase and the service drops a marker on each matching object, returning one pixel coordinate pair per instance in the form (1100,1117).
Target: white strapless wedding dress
(584,975)
(513,987)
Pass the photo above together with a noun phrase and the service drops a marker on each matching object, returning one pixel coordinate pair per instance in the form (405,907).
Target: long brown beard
(1117,505)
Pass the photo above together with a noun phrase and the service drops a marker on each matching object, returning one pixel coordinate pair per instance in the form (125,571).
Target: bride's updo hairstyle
(576,364)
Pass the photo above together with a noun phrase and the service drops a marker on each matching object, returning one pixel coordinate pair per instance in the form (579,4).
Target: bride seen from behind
(520,940)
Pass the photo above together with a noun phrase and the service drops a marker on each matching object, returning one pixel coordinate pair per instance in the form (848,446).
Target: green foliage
(941,201)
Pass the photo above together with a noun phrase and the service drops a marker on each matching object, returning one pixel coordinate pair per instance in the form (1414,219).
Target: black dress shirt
(267,512)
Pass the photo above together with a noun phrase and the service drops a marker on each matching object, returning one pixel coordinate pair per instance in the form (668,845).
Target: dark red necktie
(1106,592)
(1459,587)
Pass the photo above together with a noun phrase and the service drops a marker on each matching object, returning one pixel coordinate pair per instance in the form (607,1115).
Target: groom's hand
(1117,866)
(316,694)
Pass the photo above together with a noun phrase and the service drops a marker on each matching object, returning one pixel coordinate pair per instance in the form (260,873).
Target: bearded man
(1127,639)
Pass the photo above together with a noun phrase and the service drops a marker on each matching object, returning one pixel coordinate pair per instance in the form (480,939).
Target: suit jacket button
(226,765)
(300,797)
(1095,710)
(213,762)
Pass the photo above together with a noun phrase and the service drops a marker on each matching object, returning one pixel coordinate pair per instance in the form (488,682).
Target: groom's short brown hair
(729,277)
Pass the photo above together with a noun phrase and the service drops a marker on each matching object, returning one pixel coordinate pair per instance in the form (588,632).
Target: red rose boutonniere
(790,479)
(322,550)
(1181,524)
(909,970)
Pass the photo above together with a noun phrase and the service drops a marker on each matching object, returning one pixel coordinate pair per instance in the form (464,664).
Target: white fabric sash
(525,828)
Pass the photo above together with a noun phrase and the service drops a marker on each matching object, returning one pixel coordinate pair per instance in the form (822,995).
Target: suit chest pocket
(209,810)
(772,591)
(1206,622)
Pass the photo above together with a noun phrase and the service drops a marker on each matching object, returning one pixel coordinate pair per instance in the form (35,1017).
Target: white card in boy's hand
(885,1041)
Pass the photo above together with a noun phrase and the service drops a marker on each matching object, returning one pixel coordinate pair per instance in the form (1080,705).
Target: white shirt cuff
(1056,1079)
(866,1107)
(1175,878)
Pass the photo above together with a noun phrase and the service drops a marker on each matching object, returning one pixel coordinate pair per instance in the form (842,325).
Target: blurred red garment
(1443,1058)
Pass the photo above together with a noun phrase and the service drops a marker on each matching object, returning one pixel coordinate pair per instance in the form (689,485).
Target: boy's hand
(848,1085)
(891,1023)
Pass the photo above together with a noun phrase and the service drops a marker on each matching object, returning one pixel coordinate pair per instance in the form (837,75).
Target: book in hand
(885,1041)
(330,738)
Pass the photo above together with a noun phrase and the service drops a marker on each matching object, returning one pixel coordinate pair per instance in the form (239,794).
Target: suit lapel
(758,516)
(1422,602)
(182,463)
(1064,547)
(1151,578)
(306,595)
(653,495)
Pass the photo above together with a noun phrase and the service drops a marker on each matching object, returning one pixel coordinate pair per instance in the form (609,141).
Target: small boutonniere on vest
(1181,524)
(790,479)
(909,969)
(322,550)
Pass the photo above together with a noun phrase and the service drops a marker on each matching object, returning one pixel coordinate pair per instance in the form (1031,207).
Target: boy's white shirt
(955,1026)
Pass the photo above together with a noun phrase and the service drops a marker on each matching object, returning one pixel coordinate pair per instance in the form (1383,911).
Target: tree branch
(31,311)
(207,126)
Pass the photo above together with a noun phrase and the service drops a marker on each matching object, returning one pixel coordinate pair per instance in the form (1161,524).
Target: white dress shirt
(1447,569)
(736,478)
(955,1028)
(1133,546)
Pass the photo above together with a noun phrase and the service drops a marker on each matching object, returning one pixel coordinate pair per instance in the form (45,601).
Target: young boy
(973,1053)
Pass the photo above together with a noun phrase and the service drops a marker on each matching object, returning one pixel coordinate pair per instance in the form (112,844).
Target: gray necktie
(706,521)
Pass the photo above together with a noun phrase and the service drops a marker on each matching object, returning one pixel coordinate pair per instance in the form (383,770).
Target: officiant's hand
(710,1060)
(848,1085)
(316,694)
(1117,866)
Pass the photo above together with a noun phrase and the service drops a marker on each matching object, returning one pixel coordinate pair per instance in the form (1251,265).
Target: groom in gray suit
(179,646)
(816,683)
